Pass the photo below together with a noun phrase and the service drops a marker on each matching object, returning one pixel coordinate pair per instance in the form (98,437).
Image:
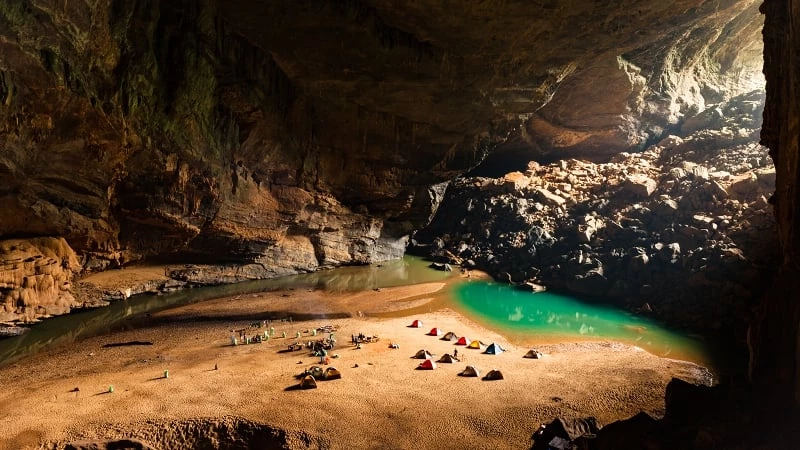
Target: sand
(382,403)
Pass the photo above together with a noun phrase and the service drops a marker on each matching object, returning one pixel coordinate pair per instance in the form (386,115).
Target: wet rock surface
(682,231)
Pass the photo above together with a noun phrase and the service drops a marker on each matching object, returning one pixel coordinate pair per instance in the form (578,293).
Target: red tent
(463,340)
(416,324)
(428,364)
(435,332)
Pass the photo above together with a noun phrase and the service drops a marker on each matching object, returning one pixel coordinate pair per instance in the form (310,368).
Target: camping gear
(332,373)
(315,371)
(494,349)
(423,354)
(416,324)
(428,364)
(463,340)
(450,336)
(533,354)
(470,371)
(308,382)
(446,358)
(435,332)
(476,344)
(493,375)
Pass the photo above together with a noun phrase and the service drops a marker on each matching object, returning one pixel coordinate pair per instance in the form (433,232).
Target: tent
(315,371)
(428,364)
(308,382)
(423,354)
(533,354)
(450,336)
(331,373)
(494,349)
(463,340)
(416,324)
(493,375)
(470,371)
(447,358)
(435,332)
(476,344)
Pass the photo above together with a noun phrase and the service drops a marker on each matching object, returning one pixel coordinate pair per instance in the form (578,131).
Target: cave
(640,154)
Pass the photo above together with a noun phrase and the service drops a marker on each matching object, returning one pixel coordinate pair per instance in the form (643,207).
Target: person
(455,353)
(322,356)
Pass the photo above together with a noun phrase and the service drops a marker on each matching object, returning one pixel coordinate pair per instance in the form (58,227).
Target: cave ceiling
(303,134)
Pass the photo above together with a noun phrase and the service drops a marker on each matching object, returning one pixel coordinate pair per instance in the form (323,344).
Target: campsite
(376,387)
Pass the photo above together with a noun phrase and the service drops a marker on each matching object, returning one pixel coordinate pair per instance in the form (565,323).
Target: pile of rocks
(682,230)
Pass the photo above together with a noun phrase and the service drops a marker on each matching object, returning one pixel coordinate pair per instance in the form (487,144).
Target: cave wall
(138,128)
(290,136)
(775,335)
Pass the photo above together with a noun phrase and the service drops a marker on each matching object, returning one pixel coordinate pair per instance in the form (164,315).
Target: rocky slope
(291,137)
(682,230)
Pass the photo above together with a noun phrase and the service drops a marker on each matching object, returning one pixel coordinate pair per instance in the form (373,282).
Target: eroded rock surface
(287,137)
(35,278)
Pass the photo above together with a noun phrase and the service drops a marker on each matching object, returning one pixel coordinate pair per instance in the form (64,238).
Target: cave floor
(61,394)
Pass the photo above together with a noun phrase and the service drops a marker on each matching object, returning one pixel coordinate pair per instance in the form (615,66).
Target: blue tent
(494,349)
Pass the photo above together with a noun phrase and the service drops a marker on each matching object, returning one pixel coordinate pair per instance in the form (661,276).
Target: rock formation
(684,226)
(287,138)
(35,276)
(775,335)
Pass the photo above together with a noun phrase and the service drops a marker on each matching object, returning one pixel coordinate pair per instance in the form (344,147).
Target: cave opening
(606,150)
(641,183)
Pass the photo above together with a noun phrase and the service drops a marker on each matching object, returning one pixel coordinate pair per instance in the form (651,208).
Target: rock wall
(775,336)
(290,137)
(35,278)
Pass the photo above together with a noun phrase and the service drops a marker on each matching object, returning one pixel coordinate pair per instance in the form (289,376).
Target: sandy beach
(381,401)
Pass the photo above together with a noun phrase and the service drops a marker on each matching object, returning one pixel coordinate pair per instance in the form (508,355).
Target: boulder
(549,198)
(515,182)
(640,185)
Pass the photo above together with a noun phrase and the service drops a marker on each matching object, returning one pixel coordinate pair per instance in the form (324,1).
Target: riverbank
(380,402)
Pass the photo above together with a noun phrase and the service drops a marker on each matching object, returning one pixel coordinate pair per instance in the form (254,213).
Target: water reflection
(66,329)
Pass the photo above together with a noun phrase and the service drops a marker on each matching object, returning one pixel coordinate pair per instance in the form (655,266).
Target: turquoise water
(521,316)
(527,316)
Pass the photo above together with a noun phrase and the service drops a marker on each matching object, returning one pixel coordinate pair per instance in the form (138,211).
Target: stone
(515,182)
(547,197)
(640,186)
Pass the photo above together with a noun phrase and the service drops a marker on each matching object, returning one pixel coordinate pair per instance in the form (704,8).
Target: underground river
(525,318)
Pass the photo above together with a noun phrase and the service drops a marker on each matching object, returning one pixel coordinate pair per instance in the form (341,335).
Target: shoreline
(411,408)
(142,279)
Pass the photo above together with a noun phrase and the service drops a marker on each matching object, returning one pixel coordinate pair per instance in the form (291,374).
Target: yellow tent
(476,344)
